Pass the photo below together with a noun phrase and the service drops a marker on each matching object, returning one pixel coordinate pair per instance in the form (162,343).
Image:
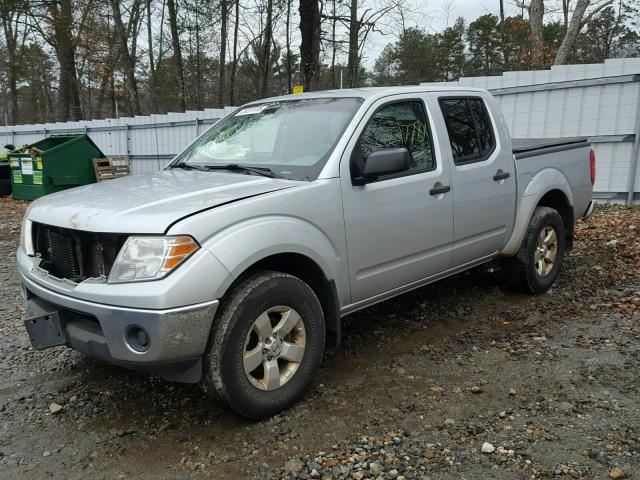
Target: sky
(435,15)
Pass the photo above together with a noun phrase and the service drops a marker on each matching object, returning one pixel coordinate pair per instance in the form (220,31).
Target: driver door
(399,228)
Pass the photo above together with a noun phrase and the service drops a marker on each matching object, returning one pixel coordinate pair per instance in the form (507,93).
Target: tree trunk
(234,64)
(536,14)
(198,64)
(266,51)
(565,13)
(107,74)
(68,90)
(310,44)
(573,29)
(333,46)
(152,63)
(10,26)
(177,53)
(127,59)
(354,31)
(288,41)
(222,61)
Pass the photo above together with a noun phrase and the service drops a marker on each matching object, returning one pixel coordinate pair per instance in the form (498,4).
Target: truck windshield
(289,138)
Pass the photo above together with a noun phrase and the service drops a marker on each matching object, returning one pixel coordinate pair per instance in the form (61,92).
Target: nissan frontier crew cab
(234,265)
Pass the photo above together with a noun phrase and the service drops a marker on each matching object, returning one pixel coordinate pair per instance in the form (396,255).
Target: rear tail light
(592,165)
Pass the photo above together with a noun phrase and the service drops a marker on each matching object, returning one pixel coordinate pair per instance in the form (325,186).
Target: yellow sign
(298,89)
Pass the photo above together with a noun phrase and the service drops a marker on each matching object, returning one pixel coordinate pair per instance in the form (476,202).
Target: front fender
(542,183)
(241,245)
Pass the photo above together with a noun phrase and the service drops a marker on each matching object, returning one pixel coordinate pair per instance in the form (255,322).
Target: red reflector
(592,165)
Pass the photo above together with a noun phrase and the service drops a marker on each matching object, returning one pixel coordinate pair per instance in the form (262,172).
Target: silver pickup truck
(234,265)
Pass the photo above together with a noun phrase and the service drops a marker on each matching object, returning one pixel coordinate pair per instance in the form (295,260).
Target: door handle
(439,189)
(500,175)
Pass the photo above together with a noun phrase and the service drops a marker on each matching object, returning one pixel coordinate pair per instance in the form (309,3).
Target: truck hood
(148,203)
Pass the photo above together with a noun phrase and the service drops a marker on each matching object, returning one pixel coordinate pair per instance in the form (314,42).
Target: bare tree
(222,60)
(536,16)
(265,53)
(353,61)
(177,53)
(578,20)
(359,27)
(234,63)
(54,22)
(565,13)
(310,44)
(288,46)
(11,12)
(128,53)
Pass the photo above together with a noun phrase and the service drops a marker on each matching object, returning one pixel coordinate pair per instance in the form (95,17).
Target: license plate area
(45,331)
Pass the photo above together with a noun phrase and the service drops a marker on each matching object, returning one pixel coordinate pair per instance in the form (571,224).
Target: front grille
(74,254)
(66,257)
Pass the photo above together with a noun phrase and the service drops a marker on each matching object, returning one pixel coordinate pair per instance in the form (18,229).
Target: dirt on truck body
(460,379)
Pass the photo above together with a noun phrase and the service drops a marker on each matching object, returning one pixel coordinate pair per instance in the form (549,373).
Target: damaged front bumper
(169,342)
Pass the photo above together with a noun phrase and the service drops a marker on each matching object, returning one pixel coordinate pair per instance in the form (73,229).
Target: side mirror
(386,162)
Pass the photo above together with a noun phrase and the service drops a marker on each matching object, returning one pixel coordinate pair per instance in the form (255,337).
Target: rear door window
(469,127)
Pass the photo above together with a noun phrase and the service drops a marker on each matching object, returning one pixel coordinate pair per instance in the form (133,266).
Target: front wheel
(267,342)
(536,266)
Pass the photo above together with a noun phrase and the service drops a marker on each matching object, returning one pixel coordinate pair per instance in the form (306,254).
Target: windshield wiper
(235,167)
(190,166)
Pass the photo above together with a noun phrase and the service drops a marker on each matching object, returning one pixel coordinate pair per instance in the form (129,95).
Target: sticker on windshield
(252,110)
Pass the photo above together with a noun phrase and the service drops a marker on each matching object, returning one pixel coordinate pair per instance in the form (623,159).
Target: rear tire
(265,346)
(536,266)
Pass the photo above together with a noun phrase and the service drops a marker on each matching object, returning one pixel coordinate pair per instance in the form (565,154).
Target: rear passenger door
(483,178)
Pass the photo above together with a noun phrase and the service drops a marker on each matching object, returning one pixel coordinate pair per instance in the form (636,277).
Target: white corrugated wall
(599,101)
(150,140)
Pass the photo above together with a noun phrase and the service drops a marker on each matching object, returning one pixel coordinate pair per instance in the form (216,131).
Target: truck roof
(366,92)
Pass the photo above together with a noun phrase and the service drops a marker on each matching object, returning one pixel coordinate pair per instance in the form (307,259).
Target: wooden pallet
(109,168)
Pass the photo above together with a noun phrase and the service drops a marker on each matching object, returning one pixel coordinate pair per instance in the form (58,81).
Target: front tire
(265,346)
(536,266)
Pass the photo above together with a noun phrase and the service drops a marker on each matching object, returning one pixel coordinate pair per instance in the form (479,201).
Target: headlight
(150,258)
(26,239)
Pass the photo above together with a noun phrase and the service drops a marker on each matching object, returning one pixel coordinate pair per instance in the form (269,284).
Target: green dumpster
(56,163)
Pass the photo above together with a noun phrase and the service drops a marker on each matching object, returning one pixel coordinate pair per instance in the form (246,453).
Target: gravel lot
(461,379)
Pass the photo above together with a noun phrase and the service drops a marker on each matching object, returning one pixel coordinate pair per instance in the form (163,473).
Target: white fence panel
(598,101)
(149,141)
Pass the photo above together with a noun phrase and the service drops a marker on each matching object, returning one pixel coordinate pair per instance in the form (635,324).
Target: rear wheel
(265,346)
(536,266)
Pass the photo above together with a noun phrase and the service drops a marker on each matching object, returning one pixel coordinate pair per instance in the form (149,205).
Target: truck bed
(531,147)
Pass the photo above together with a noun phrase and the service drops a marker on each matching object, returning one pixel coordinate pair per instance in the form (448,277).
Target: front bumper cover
(177,336)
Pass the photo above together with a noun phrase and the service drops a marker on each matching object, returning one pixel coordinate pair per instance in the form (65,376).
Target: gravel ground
(461,379)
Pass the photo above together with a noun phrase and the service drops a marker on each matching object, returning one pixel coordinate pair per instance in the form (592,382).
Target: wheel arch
(557,200)
(310,272)
(556,195)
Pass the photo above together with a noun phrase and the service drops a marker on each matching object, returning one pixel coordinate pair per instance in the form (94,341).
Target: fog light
(138,339)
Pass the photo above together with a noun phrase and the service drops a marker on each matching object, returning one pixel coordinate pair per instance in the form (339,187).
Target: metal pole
(635,157)
(341,77)
(126,131)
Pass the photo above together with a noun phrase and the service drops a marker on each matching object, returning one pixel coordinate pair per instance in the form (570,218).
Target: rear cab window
(470,130)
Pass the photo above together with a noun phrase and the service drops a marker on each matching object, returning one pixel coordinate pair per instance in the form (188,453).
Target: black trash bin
(5,174)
